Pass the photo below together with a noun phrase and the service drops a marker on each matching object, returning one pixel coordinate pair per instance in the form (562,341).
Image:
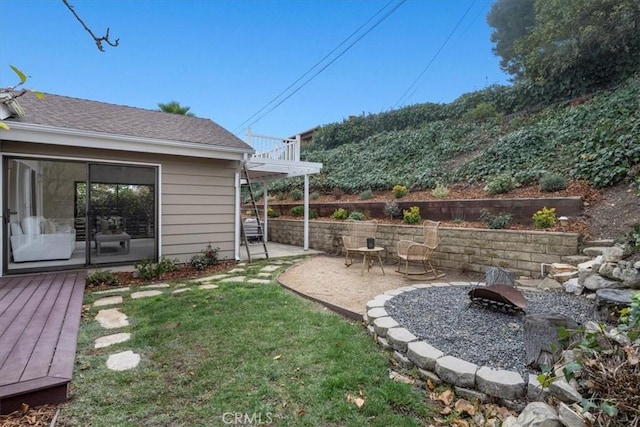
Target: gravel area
(445,318)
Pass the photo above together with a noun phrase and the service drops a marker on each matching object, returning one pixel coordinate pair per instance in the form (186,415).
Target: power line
(378,22)
(404,98)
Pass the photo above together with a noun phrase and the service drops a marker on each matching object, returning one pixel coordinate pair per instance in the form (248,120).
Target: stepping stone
(156,286)
(145,294)
(113,291)
(270,268)
(260,281)
(108,301)
(234,279)
(108,340)
(264,275)
(179,291)
(123,361)
(236,270)
(207,286)
(112,318)
(210,278)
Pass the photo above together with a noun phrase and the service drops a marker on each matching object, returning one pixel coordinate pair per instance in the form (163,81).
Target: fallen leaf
(465,407)
(24,408)
(446,410)
(458,422)
(430,384)
(632,355)
(277,357)
(446,397)
(358,401)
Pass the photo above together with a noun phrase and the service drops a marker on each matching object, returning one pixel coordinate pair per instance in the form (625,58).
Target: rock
(564,276)
(563,391)
(541,337)
(595,281)
(629,274)
(573,286)
(606,270)
(470,394)
(535,391)
(398,338)
(500,383)
(593,251)
(402,360)
(575,259)
(430,376)
(549,283)
(456,371)
(511,421)
(382,324)
(612,254)
(423,355)
(539,414)
(609,302)
(603,243)
(569,417)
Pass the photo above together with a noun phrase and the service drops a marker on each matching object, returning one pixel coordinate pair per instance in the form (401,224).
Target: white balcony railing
(273,148)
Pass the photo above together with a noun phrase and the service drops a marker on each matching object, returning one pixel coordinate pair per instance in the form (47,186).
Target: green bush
(337,193)
(357,216)
(497,221)
(313,213)
(167,265)
(314,195)
(297,211)
(340,213)
(145,269)
(545,218)
(272,213)
(296,194)
(206,258)
(411,216)
(281,196)
(366,195)
(501,183)
(102,278)
(440,191)
(399,191)
(552,182)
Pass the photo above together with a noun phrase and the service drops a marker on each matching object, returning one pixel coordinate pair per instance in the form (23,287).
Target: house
(87,183)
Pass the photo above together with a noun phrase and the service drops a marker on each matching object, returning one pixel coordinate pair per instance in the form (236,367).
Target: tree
(174,107)
(511,21)
(579,45)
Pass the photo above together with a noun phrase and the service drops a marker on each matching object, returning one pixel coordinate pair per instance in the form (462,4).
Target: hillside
(485,134)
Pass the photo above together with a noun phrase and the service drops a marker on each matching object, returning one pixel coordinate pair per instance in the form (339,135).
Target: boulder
(573,286)
(539,414)
(595,282)
(612,254)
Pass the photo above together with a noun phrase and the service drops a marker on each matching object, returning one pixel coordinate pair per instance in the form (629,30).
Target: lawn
(241,354)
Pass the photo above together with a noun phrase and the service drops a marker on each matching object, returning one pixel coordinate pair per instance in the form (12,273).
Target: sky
(280,66)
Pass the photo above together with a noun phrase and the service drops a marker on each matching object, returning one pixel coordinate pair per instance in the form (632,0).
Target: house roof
(121,122)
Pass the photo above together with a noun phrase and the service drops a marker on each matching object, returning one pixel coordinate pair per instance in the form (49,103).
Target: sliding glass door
(65,214)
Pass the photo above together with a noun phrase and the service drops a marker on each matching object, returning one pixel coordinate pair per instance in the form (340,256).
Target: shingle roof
(84,115)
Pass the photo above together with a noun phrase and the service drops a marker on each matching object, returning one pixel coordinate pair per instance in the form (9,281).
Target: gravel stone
(445,318)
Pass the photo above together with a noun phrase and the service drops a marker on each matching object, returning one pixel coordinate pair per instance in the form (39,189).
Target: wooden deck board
(39,324)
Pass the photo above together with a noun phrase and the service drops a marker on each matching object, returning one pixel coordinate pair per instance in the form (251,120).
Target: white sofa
(38,239)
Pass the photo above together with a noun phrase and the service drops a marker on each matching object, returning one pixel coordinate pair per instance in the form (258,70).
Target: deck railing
(274,148)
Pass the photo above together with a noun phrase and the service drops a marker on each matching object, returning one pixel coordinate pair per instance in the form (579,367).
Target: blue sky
(229,59)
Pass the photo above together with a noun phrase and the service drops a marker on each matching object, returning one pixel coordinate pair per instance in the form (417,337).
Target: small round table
(368,255)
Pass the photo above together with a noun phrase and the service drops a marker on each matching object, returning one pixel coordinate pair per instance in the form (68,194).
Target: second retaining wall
(463,249)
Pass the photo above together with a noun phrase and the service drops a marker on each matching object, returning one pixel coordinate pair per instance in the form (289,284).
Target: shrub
(366,195)
(552,182)
(411,216)
(102,278)
(145,269)
(314,195)
(399,191)
(296,194)
(337,193)
(167,265)
(391,209)
(497,221)
(340,213)
(281,196)
(440,191)
(204,259)
(297,211)
(545,218)
(500,184)
(272,213)
(632,239)
(357,216)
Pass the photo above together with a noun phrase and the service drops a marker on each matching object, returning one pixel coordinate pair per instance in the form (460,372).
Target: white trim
(236,230)
(22,132)
(306,213)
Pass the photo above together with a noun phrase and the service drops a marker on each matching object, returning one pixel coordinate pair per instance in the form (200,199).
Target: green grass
(257,352)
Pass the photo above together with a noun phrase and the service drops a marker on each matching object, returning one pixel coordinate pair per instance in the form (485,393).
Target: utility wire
(412,88)
(378,22)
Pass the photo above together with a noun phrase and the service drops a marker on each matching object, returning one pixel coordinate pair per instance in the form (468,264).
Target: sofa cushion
(48,226)
(31,225)
(16,230)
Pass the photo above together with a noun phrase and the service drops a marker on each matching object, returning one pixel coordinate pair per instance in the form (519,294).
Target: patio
(39,322)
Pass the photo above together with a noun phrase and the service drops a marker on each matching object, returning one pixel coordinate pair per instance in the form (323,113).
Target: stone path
(112,318)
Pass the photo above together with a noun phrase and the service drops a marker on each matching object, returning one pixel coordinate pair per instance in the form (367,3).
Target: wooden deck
(39,322)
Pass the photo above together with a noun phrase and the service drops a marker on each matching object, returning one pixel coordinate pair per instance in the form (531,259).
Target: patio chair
(419,253)
(356,237)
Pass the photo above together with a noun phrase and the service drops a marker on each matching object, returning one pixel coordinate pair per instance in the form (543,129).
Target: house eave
(22,132)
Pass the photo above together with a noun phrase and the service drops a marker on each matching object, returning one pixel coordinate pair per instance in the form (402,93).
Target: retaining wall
(464,249)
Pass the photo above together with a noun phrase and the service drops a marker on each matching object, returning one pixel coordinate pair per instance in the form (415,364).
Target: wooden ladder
(251,232)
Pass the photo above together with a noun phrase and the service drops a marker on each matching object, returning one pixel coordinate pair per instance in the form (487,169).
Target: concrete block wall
(464,249)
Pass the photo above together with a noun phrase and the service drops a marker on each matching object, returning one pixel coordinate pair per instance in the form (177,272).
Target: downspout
(265,223)
(236,229)
(306,212)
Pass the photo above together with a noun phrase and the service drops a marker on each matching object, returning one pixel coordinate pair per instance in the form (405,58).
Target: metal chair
(420,253)
(357,234)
